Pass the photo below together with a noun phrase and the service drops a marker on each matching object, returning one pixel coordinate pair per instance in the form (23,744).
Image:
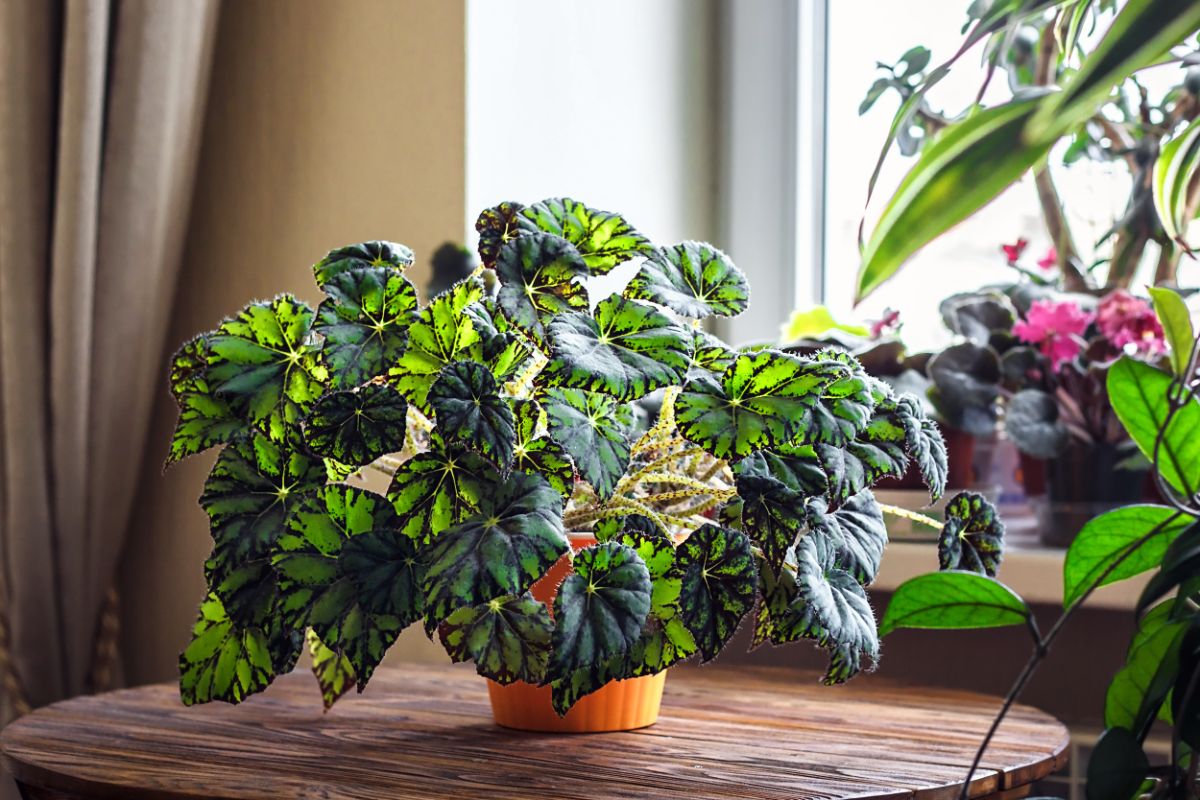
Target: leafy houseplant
(507,420)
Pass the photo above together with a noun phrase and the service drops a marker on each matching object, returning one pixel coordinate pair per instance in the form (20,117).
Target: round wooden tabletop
(427,732)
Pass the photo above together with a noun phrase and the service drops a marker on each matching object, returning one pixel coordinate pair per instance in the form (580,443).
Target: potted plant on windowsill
(513,428)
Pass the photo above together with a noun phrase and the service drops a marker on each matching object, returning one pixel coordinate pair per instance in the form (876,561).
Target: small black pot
(1082,483)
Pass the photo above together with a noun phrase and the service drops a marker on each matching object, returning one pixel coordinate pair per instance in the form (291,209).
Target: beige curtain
(100,109)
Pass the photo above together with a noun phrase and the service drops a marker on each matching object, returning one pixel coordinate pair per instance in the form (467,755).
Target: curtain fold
(101,104)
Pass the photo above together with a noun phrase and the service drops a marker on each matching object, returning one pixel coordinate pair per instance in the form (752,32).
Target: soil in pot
(618,706)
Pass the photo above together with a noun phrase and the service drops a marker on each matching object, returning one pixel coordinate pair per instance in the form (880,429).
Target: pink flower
(889,322)
(1130,324)
(1056,327)
(1013,252)
(1050,260)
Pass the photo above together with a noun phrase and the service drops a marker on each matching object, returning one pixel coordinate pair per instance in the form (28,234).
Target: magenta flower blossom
(1056,327)
(1012,252)
(888,323)
(1130,324)
(1050,260)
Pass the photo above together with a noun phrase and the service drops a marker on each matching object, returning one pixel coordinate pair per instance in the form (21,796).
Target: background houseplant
(506,419)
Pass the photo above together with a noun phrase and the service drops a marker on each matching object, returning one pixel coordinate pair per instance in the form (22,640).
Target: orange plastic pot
(618,706)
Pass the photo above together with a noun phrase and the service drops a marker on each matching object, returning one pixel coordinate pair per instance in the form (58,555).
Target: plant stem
(1059,230)
(897,511)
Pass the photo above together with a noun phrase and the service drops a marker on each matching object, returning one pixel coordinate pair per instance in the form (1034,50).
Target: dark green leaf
(1185,696)
(444,333)
(626,350)
(204,418)
(859,465)
(603,239)
(1180,569)
(508,638)
(1139,394)
(844,407)
(924,442)
(365,254)
(772,515)
(797,468)
(434,490)
(334,672)
(639,525)
(496,226)
(719,578)
(1116,535)
(1117,766)
(470,410)
(365,323)
(539,278)
(710,354)
(662,644)
(1031,421)
(953,600)
(511,543)
(264,364)
(1138,690)
(973,537)
(357,427)
(855,532)
(501,347)
(594,430)
(693,279)
(758,402)
(539,454)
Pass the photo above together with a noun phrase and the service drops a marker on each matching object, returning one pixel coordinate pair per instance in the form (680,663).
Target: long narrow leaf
(1173,172)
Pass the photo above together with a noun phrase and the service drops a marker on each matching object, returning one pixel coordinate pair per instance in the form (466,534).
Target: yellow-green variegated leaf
(844,407)
(364,254)
(973,537)
(627,349)
(334,672)
(496,226)
(437,489)
(603,239)
(205,419)
(760,401)
(356,427)
(693,279)
(470,411)
(266,365)
(1174,170)
(365,323)
(537,453)
(442,334)
(594,430)
(539,278)
(710,354)
(719,576)
(508,638)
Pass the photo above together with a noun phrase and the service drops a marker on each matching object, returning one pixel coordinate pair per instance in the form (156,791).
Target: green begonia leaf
(365,254)
(693,279)
(538,279)
(972,538)
(719,578)
(627,349)
(594,430)
(508,638)
(496,226)
(470,410)
(443,333)
(953,600)
(205,419)
(511,543)
(365,323)
(538,454)
(264,363)
(639,525)
(859,465)
(663,643)
(347,571)
(709,354)
(334,672)
(228,660)
(856,531)
(435,490)
(923,441)
(357,427)
(796,467)
(248,496)
(502,348)
(603,239)
(844,408)
(758,402)
(772,515)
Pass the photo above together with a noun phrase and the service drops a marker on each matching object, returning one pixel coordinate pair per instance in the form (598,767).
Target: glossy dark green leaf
(953,600)
(434,490)
(1116,535)
(228,660)
(603,239)
(1185,695)
(758,402)
(357,427)
(265,364)
(972,537)
(347,571)
(536,453)
(693,279)
(1139,394)
(719,578)
(539,278)
(1138,689)
(594,430)
(253,486)
(627,349)
(333,671)
(365,323)
(205,419)
(1179,572)
(443,333)
(495,226)
(772,515)
(508,638)
(797,468)
(511,543)
(365,254)
(856,532)
(1117,766)
(470,410)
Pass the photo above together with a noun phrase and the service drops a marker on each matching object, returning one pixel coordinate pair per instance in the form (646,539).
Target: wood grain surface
(427,732)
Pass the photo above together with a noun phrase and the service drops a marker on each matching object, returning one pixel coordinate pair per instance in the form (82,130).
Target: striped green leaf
(333,671)
(508,638)
(356,427)
(470,411)
(539,278)
(719,576)
(365,323)
(603,239)
(594,430)
(693,279)
(205,419)
(437,489)
(495,226)
(443,334)
(537,453)
(391,255)
(972,537)
(1174,169)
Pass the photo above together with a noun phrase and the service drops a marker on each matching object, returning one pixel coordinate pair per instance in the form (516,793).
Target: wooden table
(427,732)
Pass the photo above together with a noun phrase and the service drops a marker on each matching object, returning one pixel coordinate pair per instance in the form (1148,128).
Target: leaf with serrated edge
(205,419)
(772,515)
(972,538)
(495,226)
(856,531)
(442,334)
(508,638)
(693,279)
(924,442)
(437,489)
(538,454)
(365,254)
(470,410)
(719,578)
(334,672)
(365,322)
(594,430)
(538,279)
(357,427)
(603,239)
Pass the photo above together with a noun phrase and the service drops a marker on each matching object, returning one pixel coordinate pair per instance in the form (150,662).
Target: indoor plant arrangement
(507,421)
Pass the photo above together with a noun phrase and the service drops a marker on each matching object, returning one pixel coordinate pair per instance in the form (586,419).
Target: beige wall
(327,123)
